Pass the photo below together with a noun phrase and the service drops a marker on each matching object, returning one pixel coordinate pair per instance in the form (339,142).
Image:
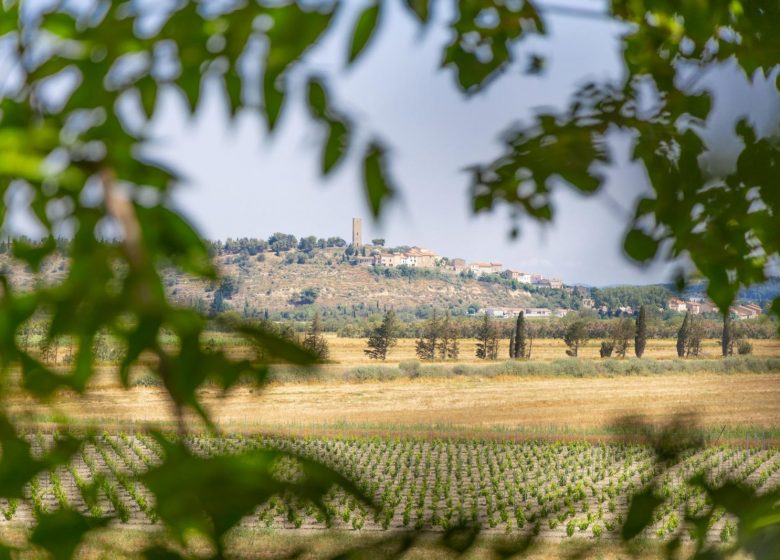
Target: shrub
(744,348)
(410,368)
(371,373)
(570,527)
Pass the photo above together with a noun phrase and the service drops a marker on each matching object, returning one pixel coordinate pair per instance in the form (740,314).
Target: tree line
(438,339)
(408,326)
(278,242)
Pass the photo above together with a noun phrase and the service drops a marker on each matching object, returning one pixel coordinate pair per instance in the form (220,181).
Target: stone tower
(357,232)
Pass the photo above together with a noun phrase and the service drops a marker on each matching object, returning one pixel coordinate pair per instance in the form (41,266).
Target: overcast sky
(241,183)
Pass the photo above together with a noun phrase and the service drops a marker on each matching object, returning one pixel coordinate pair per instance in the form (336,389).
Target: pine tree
(576,335)
(607,346)
(640,340)
(429,340)
(621,335)
(487,340)
(682,335)
(520,342)
(448,343)
(314,341)
(726,342)
(383,338)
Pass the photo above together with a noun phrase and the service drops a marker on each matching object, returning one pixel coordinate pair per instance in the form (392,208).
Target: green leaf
(277,347)
(273,98)
(337,140)
(218,491)
(158,552)
(364,29)
(640,513)
(61,24)
(60,532)
(460,538)
(33,253)
(17,464)
(640,246)
(294,30)
(420,8)
(379,188)
(147,92)
(317,98)
(336,144)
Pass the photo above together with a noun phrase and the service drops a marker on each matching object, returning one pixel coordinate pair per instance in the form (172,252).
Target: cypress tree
(640,341)
(521,337)
(512,343)
(682,335)
(725,342)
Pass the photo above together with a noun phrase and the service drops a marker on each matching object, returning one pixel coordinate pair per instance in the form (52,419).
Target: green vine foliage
(84,83)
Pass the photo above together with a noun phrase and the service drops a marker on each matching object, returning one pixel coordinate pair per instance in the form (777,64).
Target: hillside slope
(289,282)
(276,285)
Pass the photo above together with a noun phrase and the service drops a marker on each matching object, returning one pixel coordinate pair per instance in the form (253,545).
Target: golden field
(469,402)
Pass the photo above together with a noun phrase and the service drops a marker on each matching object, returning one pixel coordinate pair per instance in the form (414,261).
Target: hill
(290,283)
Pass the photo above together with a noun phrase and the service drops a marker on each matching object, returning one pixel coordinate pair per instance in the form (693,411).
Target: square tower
(357,232)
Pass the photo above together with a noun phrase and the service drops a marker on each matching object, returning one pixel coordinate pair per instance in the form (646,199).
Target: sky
(241,182)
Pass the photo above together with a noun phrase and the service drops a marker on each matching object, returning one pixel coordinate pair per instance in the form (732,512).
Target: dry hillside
(273,284)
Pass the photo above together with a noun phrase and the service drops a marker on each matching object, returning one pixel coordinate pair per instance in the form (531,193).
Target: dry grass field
(564,403)
(541,402)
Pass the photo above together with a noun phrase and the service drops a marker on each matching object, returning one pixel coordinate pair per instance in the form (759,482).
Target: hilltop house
(415,257)
(389,259)
(522,277)
(746,311)
(676,304)
(480,268)
(421,258)
(531,312)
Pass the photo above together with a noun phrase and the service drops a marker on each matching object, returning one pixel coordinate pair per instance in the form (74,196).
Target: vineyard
(556,490)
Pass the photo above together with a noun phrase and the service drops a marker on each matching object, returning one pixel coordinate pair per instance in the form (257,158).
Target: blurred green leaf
(378,186)
(218,491)
(483,35)
(338,126)
(640,513)
(364,29)
(61,531)
(420,8)
(640,246)
(17,464)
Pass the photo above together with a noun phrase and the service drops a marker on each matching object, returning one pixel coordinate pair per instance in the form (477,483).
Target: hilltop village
(371,254)
(375,254)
